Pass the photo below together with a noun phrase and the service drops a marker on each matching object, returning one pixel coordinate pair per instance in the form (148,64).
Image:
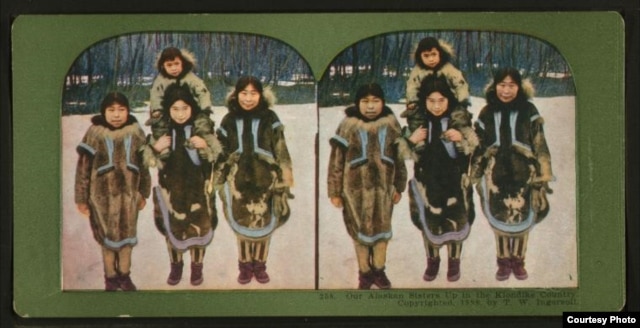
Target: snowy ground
(297,248)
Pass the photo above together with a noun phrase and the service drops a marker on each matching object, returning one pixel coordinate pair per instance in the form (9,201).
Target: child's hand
(337,202)
(411,106)
(418,135)
(198,143)
(396,197)
(83,208)
(162,143)
(453,135)
(141,202)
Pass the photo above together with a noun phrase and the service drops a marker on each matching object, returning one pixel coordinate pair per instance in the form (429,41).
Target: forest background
(127,64)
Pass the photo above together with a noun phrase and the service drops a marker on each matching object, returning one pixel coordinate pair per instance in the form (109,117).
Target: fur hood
(188,67)
(448,48)
(101,121)
(353,111)
(188,55)
(268,100)
(527,91)
(447,57)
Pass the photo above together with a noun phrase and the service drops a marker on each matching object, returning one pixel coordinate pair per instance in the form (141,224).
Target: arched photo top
(389,58)
(127,63)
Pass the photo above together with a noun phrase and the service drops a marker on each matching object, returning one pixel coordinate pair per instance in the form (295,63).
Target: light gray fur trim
(188,55)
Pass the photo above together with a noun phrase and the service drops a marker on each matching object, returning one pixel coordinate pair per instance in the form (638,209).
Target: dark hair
(371,89)
(429,43)
(175,92)
(172,53)
(245,81)
(430,85)
(111,98)
(498,76)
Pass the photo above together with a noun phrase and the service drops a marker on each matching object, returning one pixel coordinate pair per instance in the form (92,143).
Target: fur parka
(365,170)
(196,85)
(445,71)
(440,194)
(256,169)
(184,201)
(111,178)
(514,162)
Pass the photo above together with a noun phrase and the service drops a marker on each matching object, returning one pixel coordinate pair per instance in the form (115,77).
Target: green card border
(45,46)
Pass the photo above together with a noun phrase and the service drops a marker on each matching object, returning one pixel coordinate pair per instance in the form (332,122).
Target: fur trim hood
(188,67)
(268,100)
(447,56)
(353,111)
(101,121)
(188,55)
(526,92)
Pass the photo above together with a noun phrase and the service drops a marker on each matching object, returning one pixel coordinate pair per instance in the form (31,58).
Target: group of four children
(247,161)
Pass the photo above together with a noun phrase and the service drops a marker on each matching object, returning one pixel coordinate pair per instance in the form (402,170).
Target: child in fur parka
(184,201)
(432,62)
(175,66)
(111,186)
(515,163)
(256,174)
(366,177)
(441,199)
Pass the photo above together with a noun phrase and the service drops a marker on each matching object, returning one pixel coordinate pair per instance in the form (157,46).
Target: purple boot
(453,272)
(176,273)
(504,269)
(433,266)
(111,284)
(260,272)
(517,265)
(380,279)
(125,283)
(196,273)
(365,280)
(246,272)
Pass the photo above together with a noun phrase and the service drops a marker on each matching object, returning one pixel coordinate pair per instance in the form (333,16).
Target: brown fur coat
(111,178)
(365,170)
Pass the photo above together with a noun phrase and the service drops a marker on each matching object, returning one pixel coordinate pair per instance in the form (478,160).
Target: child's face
(507,90)
(173,67)
(249,98)
(437,104)
(430,58)
(116,115)
(180,112)
(370,106)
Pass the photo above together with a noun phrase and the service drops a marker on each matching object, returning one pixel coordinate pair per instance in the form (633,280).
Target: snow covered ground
(298,248)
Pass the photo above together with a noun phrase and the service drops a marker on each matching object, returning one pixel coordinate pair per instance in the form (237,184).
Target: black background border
(10,9)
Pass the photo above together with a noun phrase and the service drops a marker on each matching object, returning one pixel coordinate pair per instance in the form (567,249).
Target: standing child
(441,200)
(111,186)
(516,163)
(365,178)
(432,61)
(175,66)
(184,201)
(257,174)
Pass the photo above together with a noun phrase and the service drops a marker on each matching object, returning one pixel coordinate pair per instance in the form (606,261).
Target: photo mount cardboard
(44,47)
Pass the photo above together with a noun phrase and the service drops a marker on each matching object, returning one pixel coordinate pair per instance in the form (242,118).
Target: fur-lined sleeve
(540,148)
(144,188)
(199,90)
(461,121)
(335,173)
(83,179)
(457,82)
(400,177)
(156,93)
(281,152)
(416,76)
(204,127)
